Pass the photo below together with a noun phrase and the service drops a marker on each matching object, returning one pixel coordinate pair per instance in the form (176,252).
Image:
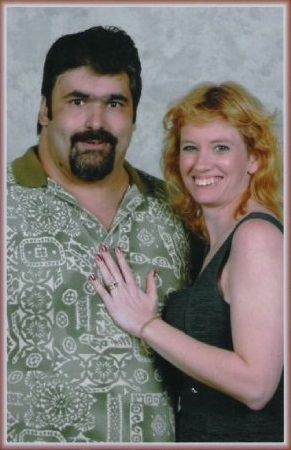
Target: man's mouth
(93,139)
(96,142)
(93,144)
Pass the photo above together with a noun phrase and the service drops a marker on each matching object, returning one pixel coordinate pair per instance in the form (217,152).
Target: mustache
(93,135)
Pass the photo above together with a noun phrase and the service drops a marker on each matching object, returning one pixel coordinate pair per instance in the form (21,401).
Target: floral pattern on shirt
(73,374)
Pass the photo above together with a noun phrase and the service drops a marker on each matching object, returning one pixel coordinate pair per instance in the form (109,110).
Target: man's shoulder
(154,191)
(26,171)
(156,186)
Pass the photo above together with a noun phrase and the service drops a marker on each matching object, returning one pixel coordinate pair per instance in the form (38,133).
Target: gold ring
(112,285)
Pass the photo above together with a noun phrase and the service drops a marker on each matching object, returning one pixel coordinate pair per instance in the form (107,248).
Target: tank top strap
(222,255)
(260,215)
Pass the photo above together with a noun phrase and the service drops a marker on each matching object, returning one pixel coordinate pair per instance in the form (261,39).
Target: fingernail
(99,257)
(155,273)
(118,250)
(103,248)
(92,277)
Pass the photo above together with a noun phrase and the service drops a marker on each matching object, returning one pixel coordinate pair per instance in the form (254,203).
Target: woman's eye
(189,148)
(221,148)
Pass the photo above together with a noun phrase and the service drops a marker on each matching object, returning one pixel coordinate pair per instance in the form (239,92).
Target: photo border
(287,249)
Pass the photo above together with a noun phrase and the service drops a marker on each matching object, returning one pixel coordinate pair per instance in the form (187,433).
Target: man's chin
(90,152)
(91,172)
(92,165)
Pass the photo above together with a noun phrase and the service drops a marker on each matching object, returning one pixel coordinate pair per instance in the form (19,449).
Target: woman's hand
(128,305)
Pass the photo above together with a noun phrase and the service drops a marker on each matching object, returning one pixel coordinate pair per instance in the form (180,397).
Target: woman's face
(214,163)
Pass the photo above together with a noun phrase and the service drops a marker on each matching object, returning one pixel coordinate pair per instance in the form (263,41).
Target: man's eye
(115,104)
(77,101)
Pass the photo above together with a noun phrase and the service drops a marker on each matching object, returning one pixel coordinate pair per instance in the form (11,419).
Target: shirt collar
(28,172)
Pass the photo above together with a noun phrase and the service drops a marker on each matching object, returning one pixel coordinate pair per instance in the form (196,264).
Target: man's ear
(43,112)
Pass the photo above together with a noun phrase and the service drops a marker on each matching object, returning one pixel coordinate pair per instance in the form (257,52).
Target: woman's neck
(219,224)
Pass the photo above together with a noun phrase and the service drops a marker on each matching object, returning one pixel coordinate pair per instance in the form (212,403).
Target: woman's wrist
(142,331)
(144,326)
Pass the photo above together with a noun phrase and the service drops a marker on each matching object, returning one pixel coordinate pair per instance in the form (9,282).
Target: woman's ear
(43,112)
(253,164)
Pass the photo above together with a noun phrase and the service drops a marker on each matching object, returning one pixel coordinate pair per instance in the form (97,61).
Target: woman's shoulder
(258,219)
(258,228)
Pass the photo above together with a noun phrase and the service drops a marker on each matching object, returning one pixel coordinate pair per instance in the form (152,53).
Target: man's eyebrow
(109,97)
(121,97)
(77,94)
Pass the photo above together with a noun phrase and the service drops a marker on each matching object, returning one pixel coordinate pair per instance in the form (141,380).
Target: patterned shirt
(73,374)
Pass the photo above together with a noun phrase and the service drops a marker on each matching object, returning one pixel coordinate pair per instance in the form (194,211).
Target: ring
(112,285)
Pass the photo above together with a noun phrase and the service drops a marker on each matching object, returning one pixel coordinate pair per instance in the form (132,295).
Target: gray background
(179,47)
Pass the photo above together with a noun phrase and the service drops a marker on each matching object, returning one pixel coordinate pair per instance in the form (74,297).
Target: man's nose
(95,116)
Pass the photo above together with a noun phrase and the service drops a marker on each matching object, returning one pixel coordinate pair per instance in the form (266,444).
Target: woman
(225,333)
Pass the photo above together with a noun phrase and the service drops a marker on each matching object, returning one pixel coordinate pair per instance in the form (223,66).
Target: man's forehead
(86,78)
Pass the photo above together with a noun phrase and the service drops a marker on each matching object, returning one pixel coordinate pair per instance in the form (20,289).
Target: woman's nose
(202,160)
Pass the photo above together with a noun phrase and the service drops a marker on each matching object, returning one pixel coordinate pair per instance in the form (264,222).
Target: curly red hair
(231,102)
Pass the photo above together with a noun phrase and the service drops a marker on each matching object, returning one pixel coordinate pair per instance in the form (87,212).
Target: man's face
(91,123)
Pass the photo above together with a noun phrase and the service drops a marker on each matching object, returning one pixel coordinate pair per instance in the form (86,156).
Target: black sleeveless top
(204,414)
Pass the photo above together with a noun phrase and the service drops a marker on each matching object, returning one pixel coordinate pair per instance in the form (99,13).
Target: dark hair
(107,50)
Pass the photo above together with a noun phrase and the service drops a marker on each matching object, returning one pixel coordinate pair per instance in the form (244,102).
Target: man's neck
(101,198)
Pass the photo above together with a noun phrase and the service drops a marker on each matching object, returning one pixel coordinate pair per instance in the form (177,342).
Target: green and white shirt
(73,374)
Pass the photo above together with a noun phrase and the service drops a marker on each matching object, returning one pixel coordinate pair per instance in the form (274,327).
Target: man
(73,375)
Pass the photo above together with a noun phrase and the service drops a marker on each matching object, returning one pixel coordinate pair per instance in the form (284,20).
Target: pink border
(129,446)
